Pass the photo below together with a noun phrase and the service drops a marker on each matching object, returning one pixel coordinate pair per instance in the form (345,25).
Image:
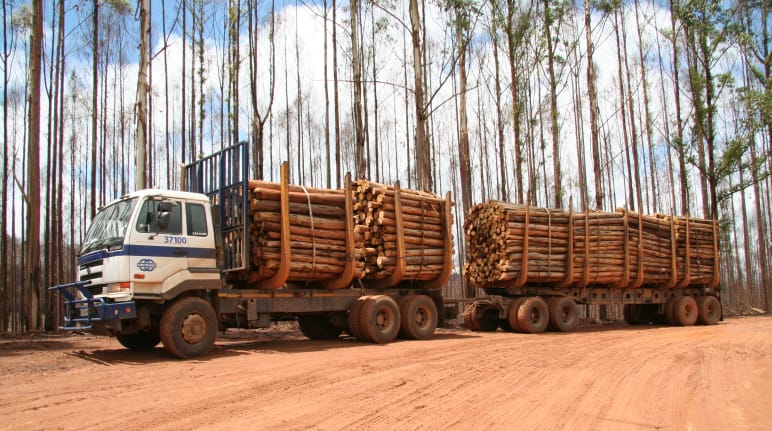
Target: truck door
(159,248)
(200,237)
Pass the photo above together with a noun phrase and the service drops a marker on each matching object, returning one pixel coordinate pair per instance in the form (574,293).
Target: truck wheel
(379,320)
(564,315)
(685,311)
(188,327)
(355,317)
(143,340)
(318,328)
(512,314)
(668,315)
(470,320)
(419,317)
(708,310)
(533,315)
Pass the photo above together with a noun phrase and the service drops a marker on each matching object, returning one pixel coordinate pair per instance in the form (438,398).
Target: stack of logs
(317,229)
(375,219)
(621,249)
(318,232)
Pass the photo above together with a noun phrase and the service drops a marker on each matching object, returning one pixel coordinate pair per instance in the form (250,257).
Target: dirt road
(600,377)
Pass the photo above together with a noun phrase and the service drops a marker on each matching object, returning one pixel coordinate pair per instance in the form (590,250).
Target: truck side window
(146,222)
(196,218)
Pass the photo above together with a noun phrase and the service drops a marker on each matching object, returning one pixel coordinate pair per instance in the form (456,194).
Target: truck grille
(91,271)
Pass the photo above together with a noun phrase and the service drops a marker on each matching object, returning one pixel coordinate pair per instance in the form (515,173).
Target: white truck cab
(141,252)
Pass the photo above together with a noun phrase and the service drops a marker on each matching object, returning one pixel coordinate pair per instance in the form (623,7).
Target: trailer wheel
(380,319)
(708,310)
(188,327)
(668,316)
(419,317)
(355,317)
(533,315)
(318,328)
(143,340)
(470,320)
(685,311)
(512,314)
(564,315)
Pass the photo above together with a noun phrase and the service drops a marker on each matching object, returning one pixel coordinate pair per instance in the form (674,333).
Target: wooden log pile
(317,229)
(620,249)
(422,217)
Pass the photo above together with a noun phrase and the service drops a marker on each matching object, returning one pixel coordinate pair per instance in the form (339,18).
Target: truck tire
(564,316)
(685,311)
(533,315)
(512,314)
(188,327)
(355,317)
(318,328)
(668,316)
(379,319)
(708,310)
(142,340)
(470,320)
(419,317)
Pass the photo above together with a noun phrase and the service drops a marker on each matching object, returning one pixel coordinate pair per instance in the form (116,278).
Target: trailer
(177,266)
(537,264)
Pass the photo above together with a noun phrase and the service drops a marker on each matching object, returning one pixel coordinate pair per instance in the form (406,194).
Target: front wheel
(143,340)
(188,327)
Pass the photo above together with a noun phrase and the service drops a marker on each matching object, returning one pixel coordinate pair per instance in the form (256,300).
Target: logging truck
(538,264)
(178,266)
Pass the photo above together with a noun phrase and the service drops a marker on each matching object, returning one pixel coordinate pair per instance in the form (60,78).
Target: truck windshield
(109,227)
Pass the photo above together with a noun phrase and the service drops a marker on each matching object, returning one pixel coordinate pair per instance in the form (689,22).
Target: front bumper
(82,314)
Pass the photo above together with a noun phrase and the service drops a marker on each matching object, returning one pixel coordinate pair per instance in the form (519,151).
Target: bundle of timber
(386,216)
(512,245)
(317,220)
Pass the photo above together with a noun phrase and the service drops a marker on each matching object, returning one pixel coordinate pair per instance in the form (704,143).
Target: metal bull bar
(81,314)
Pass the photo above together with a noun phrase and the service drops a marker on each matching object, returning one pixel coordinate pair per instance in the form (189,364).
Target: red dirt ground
(601,377)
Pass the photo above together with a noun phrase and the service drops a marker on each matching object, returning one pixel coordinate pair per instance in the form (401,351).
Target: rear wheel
(708,310)
(143,340)
(188,327)
(355,317)
(318,328)
(668,315)
(379,320)
(419,317)
(533,315)
(563,314)
(512,314)
(685,311)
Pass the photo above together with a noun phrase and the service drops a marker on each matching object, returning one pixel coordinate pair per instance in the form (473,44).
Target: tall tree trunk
(633,129)
(593,100)
(33,265)
(515,33)
(422,151)
(553,85)
(679,140)
(356,65)
(336,103)
(503,194)
(623,115)
(94,105)
(647,112)
(5,283)
(463,138)
(328,154)
(140,173)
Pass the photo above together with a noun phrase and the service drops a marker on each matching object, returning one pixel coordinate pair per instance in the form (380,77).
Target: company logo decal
(146,265)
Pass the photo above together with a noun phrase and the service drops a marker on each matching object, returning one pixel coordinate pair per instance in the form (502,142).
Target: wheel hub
(193,328)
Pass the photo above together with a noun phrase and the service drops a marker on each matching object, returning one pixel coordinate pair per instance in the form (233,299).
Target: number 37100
(175,239)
